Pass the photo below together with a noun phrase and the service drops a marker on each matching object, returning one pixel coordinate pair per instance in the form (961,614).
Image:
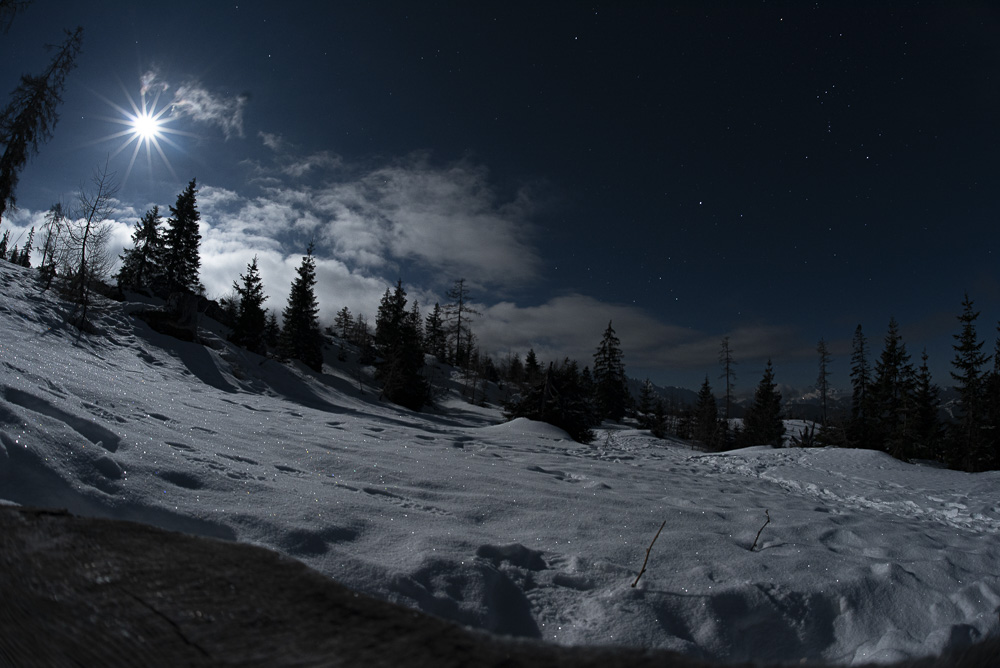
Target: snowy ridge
(510,527)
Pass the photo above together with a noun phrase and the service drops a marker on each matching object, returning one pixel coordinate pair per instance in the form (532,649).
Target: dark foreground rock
(92,592)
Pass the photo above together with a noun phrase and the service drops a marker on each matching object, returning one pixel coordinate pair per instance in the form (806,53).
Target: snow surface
(511,527)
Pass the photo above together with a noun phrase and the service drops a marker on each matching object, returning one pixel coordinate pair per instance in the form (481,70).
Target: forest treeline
(895,405)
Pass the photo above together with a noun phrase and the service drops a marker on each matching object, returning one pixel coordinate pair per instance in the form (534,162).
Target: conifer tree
(142,265)
(53,230)
(24,259)
(182,240)
(272,331)
(728,365)
(893,394)
(532,369)
(250,328)
(301,338)
(457,313)
(927,431)
(558,399)
(762,424)
(705,419)
(967,439)
(3,244)
(30,116)
(435,339)
(823,379)
(400,359)
(861,427)
(647,401)
(343,322)
(611,394)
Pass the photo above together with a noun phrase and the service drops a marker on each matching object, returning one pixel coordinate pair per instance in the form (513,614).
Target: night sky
(771,172)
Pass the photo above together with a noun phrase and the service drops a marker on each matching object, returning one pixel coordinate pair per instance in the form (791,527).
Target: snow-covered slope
(509,527)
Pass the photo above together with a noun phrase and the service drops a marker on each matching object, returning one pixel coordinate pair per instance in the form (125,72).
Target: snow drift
(506,527)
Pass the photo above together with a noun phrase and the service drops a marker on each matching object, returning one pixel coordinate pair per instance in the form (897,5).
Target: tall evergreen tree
(559,399)
(30,117)
(142,265)
(25,258)
(343,322)
(301,337)
(250,328)
(927,431)
(705,419)
(457,313)
(435,339)
(4,240)
(762,422)
(967,439)
(400,358)
(532,369)
(53,230)
(893,393)
(611,394)
(861,431)
(823,379)
(647,402)
(728,364)
(182,241)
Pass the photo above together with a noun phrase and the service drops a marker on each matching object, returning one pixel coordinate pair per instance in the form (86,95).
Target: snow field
(511,526)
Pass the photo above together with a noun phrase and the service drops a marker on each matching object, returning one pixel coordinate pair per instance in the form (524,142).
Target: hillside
(503,526)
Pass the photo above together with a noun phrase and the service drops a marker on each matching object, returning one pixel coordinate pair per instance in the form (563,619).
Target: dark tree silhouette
(301,338)
(142,265)
(762,423)
(181,259)
(250,328)
(611,394)
(30,117)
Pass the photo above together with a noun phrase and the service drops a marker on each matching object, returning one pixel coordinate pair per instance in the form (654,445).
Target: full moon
(146,127)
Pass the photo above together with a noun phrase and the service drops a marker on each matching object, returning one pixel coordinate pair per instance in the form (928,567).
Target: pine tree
(762,424)
(532,369)
(250,328)
(457,313)
(272,331)
(142,265)
(968,446)
(610,385)
(728,365)
(30,117)
(301,338)
(182,240)
(343,322)
(861,431)
(927,431)
(435,339)
(647,401)
(893,398)
(53,229)
(558,399)
(400,359)
(24,259)
(823,380)
(3,244)
(705,419)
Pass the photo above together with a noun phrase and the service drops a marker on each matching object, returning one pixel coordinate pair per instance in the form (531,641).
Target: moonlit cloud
(572,326)
(193,100)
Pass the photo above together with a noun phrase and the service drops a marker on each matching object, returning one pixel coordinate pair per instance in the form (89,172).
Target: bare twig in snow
(761,530)
(646,560)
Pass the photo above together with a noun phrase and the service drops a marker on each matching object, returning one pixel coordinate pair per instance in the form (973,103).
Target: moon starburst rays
(146,126)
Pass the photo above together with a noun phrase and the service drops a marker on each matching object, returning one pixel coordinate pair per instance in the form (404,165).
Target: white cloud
(194,100)
(572,326)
